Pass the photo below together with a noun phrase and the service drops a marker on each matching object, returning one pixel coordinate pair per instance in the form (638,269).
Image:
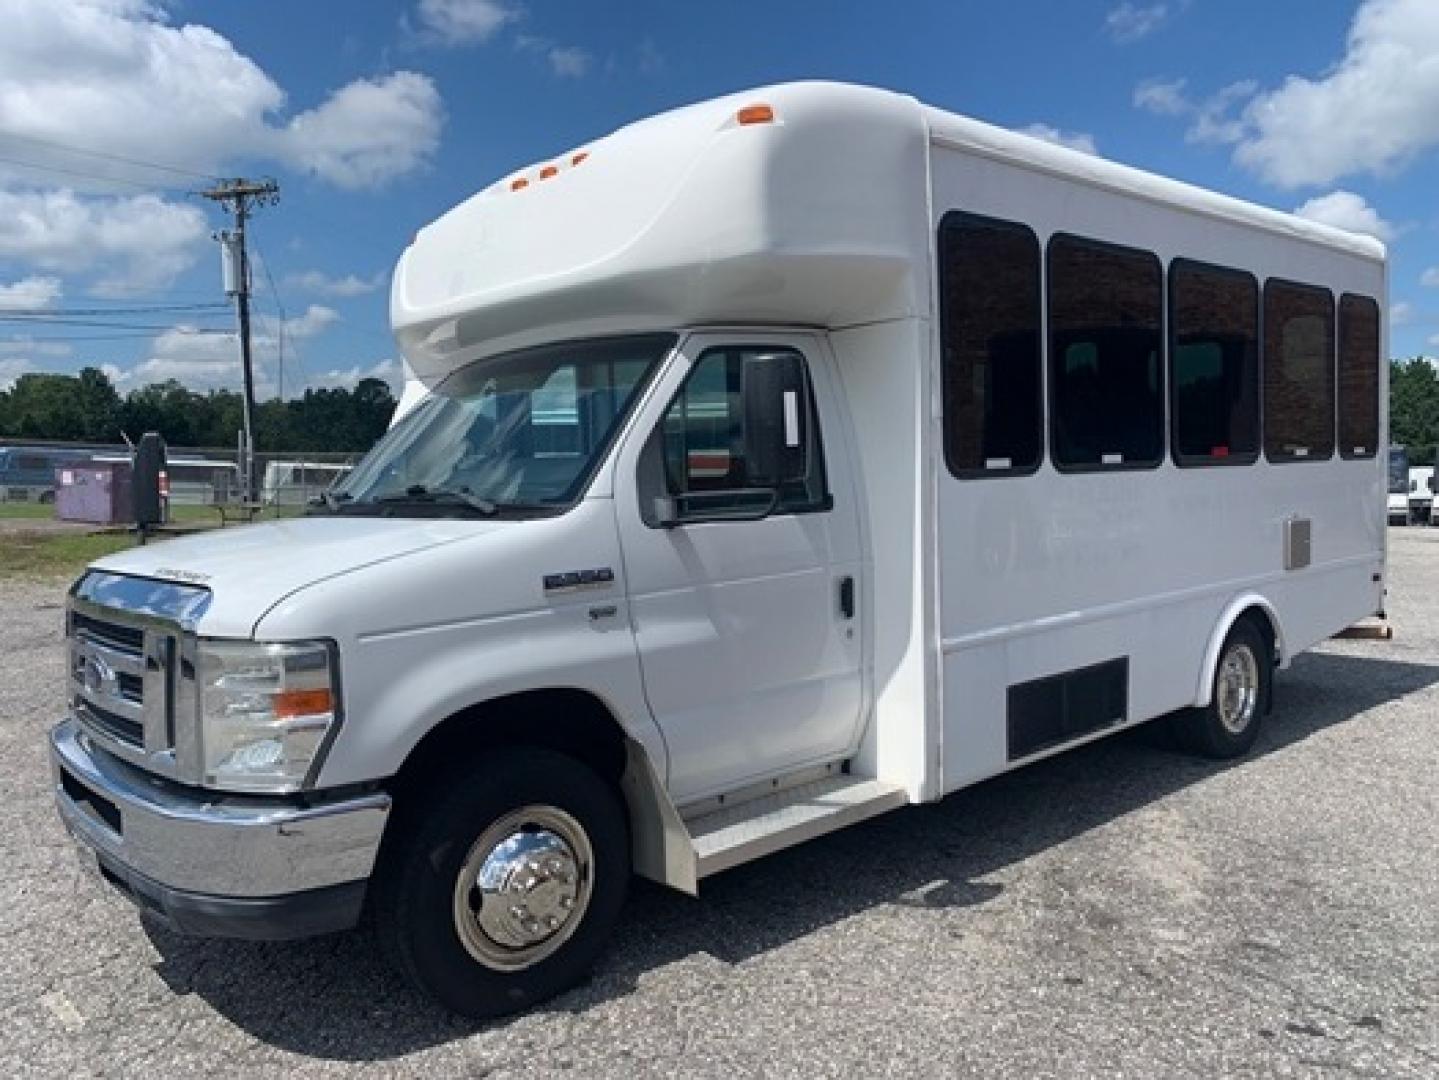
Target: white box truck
(787,459)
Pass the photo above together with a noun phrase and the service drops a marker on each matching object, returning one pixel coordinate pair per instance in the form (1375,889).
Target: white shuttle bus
(787,459)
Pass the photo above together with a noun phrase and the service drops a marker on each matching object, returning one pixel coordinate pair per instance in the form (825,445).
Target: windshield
(524,430)
(1398,470)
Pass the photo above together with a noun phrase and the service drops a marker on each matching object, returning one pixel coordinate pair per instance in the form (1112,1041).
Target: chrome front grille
(131,682)
(111,664)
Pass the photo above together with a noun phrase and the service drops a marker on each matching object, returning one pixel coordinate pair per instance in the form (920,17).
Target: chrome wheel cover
(1236,688)
(523,888)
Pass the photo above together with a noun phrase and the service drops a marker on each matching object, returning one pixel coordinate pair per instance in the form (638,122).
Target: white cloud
(1400,312)
(10,370)
(35,347)
(463,22)
(136,242)
(1346,210)
(1130,22)
(317,318)
(389,371)
(1211,119)
(1162,96)
(1430,277)
(115,76)
(569,61)
(1373,111)
(316,281)
(30,292)
(1075,140)
(369,132)
(566,61)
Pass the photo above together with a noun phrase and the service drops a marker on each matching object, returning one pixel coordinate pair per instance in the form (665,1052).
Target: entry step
(753,829)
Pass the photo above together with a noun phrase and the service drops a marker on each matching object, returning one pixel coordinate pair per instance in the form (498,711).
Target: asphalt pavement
(1122,910)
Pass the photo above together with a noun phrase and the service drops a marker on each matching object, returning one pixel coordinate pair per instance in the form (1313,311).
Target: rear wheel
(504,887)
(1229,724)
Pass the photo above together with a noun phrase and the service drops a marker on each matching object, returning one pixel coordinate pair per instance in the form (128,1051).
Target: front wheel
(1229,724)
(505,885)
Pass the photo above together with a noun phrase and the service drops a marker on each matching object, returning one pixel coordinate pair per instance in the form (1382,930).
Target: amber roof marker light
(754,114)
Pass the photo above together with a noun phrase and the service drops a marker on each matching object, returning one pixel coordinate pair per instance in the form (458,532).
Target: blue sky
(377,116)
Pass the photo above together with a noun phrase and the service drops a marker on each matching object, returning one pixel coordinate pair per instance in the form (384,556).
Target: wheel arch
(580,724)
(1255,608)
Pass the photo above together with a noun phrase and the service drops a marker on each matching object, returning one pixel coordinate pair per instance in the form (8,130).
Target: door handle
(846,596)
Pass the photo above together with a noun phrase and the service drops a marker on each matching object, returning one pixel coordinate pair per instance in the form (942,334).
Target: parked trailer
(903,451)
(29,473)
(1398,499)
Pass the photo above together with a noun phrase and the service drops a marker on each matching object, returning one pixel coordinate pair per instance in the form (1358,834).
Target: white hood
(249,570)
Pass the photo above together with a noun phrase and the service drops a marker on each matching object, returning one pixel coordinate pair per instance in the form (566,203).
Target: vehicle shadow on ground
(335,998)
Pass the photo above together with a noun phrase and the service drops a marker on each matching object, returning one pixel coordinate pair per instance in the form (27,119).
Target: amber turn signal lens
(520,183)
(548,171)
(755,114)
(302,702)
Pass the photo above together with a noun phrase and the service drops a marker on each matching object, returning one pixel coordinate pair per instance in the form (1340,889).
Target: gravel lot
(1119,910)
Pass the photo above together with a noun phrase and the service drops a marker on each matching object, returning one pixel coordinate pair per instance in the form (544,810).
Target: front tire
(503,886)
(1229,724)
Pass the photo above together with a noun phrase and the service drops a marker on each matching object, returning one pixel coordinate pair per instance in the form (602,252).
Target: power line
(30,321)
(280,310)
(87,176)
(106,156)
(25,342)
(141,309)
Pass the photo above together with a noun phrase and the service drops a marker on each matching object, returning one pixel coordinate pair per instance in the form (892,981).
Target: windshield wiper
(418,493)
(330,500)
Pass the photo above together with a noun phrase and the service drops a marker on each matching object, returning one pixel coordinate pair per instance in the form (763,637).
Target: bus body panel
(1055,573)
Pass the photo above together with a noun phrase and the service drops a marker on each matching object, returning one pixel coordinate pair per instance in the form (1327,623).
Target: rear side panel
(1047,577)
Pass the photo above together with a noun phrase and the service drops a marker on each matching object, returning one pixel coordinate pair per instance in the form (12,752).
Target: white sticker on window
(1301,451)
(791,418)
(1111,459)
(998,463)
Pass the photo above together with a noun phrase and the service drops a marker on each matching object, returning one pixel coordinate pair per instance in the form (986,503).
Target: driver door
(749,637)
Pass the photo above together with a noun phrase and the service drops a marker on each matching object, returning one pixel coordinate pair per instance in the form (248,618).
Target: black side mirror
(775,440)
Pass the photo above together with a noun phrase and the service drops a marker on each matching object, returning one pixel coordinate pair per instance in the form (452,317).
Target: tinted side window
(1298,372)
(1358,376)
(989,334)
(1213,364)
(1106,397)
(704,441)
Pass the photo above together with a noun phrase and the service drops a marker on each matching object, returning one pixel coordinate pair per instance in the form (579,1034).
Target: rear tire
(1229,724)
(503,886)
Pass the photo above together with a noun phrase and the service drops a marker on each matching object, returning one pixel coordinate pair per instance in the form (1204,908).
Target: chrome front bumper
(217,864)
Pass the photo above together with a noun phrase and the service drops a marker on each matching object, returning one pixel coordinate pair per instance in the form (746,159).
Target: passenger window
(989,335)
(1213,364)
(704,441)
(1106,394)
(1358,376)
(1298,372)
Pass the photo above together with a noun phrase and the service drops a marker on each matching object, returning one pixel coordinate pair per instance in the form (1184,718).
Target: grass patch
(185,514)
(26,511)
(41,556)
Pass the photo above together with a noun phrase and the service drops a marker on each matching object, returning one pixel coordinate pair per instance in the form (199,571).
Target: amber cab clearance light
(516,185)
(548,171)
(755,114)
(579,157)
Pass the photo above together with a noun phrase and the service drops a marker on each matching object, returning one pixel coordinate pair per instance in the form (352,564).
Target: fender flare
(1232,611)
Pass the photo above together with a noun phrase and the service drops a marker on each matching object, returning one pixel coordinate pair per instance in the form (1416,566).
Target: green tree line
(1414,408)
(87,408)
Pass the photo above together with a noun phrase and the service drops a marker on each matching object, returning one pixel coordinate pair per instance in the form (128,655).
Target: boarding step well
(750,830)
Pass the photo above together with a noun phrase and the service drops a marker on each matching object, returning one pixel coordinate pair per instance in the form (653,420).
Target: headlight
(265,712)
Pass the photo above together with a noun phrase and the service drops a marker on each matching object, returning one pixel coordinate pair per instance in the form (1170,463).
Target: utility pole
(240,197)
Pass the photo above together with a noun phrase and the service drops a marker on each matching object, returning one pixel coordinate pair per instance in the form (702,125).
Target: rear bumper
(216,865)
